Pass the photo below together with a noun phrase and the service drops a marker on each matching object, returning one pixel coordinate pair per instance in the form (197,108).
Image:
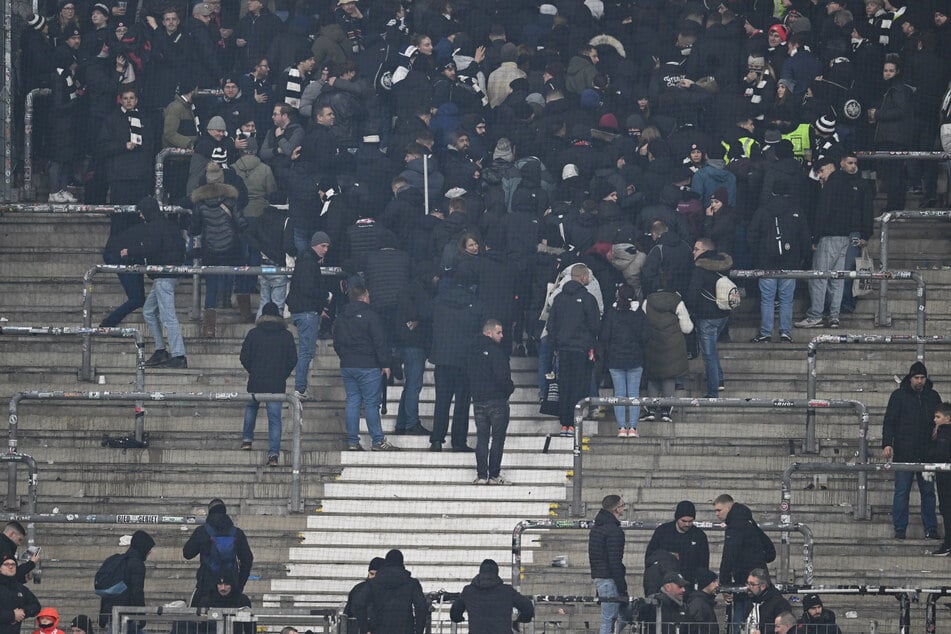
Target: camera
(28,554)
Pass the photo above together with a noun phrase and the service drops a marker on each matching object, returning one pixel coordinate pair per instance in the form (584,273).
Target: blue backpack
(221,557)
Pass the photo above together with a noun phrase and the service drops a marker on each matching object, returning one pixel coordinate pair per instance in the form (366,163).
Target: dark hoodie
(745,547)
(457,321)
(358,337)
(395,600)
(574,322)
(269,354)
(490,376)
(134,578)
(200,543)
(701,297)
(158,240)
(489,603)
(13,595)
(909,418)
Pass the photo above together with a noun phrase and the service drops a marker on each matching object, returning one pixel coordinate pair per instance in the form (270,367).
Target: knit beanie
(685,509)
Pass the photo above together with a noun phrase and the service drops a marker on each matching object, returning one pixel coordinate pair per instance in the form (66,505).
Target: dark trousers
(492,421)
(574,383)
(451,383)
(134,286)
(893,173)
(943,485)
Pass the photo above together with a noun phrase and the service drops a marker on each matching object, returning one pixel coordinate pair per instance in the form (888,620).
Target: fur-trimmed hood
(608,40)
(211,191)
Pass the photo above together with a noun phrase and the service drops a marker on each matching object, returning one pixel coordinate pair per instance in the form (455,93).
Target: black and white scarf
(294,87)
(70,82)
(135,125)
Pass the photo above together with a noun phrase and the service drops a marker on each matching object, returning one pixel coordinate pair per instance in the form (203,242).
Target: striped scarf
(294,87)
(70,82)
(135,125)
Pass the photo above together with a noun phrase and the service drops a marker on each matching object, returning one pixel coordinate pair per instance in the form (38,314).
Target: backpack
(110,578)
(221,557)
(727,294)
(769,550)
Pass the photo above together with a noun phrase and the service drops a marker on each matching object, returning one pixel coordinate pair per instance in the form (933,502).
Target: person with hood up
(269,354)
(906,435)
(582,69)
(47,622)
(766,602)
(665,356)
(489,602)
(356,608)
(134,579)
(710,265)
(224,596)
(395,603)
(17,603)
(222,546)
(606,559)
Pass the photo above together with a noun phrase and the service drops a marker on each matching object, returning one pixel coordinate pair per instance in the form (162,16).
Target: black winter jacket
(765,608)
(13,595)
(387,272)
(218,221)
(574,321)
(307,294)
(497,290)
(269,354)
(702,294)
(895,116)
(778,234)
(692,548)
(457,321)
(267,235)
(909,419)
(606,550)
(489,603)
(200,544)
(745,547)
(823,624)
(624,333)
(121,163)
(701,613)
(490,376)
(395,602)
(359,339)
(668,253)
(416,305)
(157,241)
(134,578)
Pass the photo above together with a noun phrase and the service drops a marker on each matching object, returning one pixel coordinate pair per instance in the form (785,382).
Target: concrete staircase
(361,504)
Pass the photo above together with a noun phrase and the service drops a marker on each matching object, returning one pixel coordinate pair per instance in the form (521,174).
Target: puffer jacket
(218,221)
(489,603)
(665,356)
(606,550)
(259,179)
(909,420)
(702,294)
(13,595)
(629,260)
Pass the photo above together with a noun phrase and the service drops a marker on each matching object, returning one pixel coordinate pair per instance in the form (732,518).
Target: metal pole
(577,504)
(8,101)
(64,208)
(30,463)
(920,324)
(160,168)
(194,313)
(426,183)
(28,190)
(884,319)
(297,422)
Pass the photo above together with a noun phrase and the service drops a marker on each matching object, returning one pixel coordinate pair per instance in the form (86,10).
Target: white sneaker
(68,197)
(809,322)
(56,197)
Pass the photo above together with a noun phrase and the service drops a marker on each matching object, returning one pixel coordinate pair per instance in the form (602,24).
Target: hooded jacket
(764,609)
(13,595)
(307,294)
(52,629)
(134,578)
(259,180)
(909,419)
(200,543)
(701,611)
(269,354)
(218,221)
(580,74)
(778,234)
(157,241)
(702,293)
(692,548)
(606,550)
(668,253)
(457,321)
(489,603)
(624,333)
(395,602)
(574,321)
(665,356)
(745,547)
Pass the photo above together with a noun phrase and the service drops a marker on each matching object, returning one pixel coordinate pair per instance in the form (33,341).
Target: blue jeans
(829,256)
(414,364)
(903,480)
(851,254)
(215,284)
(307,325)
(364,386)
(769,289)
(160,305)
(273,289)
(134,286)
(627,383)
(273,409)
(491,420)
(710,330)
(611,611)
(302,239)
(244,284)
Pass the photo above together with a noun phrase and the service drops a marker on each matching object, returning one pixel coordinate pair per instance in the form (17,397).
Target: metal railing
(59,208)
(195,271)
(577,505)
(295,504)
(862,510)
(160,168)
(813,349)
(883,318)
(887,219)
(913,155)
(29,193)
(326,620)
(785,529)
(86,333)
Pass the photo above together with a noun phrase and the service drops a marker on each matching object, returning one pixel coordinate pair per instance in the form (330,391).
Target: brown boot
(244,308)
(209,322)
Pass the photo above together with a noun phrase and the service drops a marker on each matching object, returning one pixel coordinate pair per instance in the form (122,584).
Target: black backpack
(110,578)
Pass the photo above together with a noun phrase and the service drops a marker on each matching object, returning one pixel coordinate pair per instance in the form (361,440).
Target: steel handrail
(160,168)
(28,191)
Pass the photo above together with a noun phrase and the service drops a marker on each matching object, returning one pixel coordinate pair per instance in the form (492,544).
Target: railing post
(577,480)
(29,192)
(85,369)
(810,445)
(920,324)
(297,503)
(194,311)
(883,317)
(11,502)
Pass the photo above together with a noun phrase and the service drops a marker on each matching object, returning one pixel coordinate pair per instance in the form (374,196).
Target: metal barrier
(887,218)
(813,348)
(28,190)
(785,528)
(137,337)
(883,318)
(577,506)
(295,504)
(86,369)
(863,510)
(913,155)
(58,208)
(11,503)
(326,619)
(160,168)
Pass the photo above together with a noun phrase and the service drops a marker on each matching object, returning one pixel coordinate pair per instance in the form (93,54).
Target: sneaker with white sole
(785,337)
(68,197)
(499,481)
(383,445)
(622,433)
(480,481)
(632,433)
(809,322)
(301,396)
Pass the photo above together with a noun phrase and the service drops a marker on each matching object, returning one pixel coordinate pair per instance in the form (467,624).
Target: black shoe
(463,449)
(785,337)
(944,551)
(761,339)
(419,430)
(899,534)
(532,348)
(159,357)
(435,447)
(176,363)
(932,535)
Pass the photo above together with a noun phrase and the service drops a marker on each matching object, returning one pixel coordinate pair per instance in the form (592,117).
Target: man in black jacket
(906,435)
(670,253)
(11,539)
(574,323)
(606,558)
(269,354)
(220,546)
(701,300)
(308,300)
(134,578)
(159,241)
(490,382)
(457,316)
(224,596)
(489,603)
(701,604)
(682,537)
(364,365)
(356,608)
(414,338)
(395,603)
(767,603)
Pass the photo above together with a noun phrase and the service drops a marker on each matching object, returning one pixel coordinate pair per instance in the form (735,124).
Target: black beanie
(84,623)
(811,601)
(271,310)
(685,509)
(489,567)
(149,208)
(226,576)
(704,578)
(376,563)
(394,557)
(918,368)
(217,506)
